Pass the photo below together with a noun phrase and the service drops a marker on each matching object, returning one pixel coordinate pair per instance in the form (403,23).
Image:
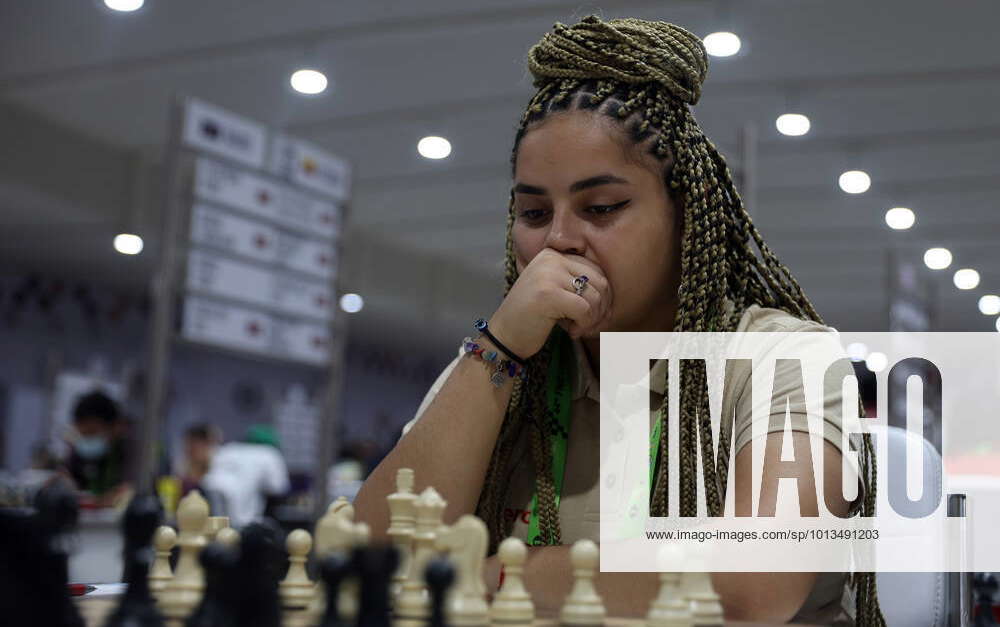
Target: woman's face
(577,191)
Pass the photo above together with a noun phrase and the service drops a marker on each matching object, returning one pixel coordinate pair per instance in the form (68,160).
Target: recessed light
(937,258)
(434,147)
(308,81)
(876,361)
(351,303)
(128,244)
(793,124)
(900,218)
(989,305)
(722,44)
(125,6)
(855,182)
(966,279)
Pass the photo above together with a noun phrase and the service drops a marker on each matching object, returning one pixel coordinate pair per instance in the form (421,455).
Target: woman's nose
(565,234)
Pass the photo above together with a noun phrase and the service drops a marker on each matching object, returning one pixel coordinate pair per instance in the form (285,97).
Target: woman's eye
(606,209)
(533,214)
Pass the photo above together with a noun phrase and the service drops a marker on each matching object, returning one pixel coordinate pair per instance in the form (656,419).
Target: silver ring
(580,284)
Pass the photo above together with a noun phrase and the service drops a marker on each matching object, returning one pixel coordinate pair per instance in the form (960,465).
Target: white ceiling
(905,89)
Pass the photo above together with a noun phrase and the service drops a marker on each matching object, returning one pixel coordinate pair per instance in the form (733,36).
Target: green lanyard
(558,405)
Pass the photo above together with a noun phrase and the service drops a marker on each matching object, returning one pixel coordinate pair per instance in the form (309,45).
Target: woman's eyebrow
(579,186)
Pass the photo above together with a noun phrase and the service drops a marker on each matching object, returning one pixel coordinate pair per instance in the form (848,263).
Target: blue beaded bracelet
(482,326)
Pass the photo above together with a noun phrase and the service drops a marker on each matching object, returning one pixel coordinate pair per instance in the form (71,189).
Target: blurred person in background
(200,443)
(245,474)
(98,458)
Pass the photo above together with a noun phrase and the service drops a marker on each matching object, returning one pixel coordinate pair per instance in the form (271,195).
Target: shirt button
(609,481)
(619,434)
(633,511)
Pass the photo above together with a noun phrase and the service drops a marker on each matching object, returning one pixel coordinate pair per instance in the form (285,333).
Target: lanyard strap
(558,406)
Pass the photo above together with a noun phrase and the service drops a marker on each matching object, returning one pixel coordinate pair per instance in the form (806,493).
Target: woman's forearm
(448,448)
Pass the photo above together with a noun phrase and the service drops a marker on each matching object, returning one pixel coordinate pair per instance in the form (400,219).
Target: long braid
(645,75)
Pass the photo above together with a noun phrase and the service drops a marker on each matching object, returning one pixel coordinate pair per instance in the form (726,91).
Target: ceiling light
(857,351)
(351,303)
(124,6)
(792,124)
(434,147)
(937,258)
(308,81)
(900,218)
(989,305)
(855,182)
(966,279)
(722,44)
(876,361)
(128,244)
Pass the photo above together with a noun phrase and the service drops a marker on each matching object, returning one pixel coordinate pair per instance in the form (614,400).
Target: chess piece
(466,542)
(54,522)
(439,575)
(512,604)
(334,568)
(413,605)
(696,588)
(219,604)
(296,589)
(184,591)
(259,555)
(375,567)
(402,523)
(160,575)
(336,531)
(669,609)
(227,536)
(214,525)
(137,607)
(583,607)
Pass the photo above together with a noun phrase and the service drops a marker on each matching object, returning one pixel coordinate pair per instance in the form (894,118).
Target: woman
(613,181)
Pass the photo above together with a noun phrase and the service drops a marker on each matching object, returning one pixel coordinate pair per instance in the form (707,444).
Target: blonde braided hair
(645,75)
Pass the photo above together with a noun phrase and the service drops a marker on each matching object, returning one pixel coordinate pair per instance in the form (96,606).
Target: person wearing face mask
(97,462)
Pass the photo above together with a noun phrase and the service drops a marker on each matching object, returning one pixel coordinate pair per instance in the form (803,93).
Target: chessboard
(428,575)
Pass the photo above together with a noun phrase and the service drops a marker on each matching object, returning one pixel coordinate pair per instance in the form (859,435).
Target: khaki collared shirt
(831,601)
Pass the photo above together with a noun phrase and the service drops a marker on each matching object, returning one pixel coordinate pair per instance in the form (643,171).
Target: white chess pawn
(669,609)
(184,591)
(466,543)
(227,536)
(512,604)
(296,589)
(214,525)
(583,606)
(696,587)
(402,522)
(413,605)
(159,574)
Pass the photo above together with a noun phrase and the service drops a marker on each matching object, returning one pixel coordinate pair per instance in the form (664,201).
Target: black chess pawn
(56,517)
(260,556)
(985,586)
(439,575)
(333,569)
(220,602)
(375,567)
(137,607)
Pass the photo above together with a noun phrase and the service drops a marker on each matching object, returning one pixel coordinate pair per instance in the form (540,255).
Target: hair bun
(628,50)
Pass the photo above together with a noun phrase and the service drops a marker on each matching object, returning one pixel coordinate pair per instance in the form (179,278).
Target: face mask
(91,447)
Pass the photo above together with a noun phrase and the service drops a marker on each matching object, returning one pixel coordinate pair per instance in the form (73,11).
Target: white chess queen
(612,180)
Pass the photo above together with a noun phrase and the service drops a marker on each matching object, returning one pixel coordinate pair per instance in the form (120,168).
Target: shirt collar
(587,385)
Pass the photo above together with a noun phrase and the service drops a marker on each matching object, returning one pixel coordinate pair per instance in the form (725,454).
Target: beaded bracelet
(504,367)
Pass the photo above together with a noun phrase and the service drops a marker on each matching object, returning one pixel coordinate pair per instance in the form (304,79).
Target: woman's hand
(543,296)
